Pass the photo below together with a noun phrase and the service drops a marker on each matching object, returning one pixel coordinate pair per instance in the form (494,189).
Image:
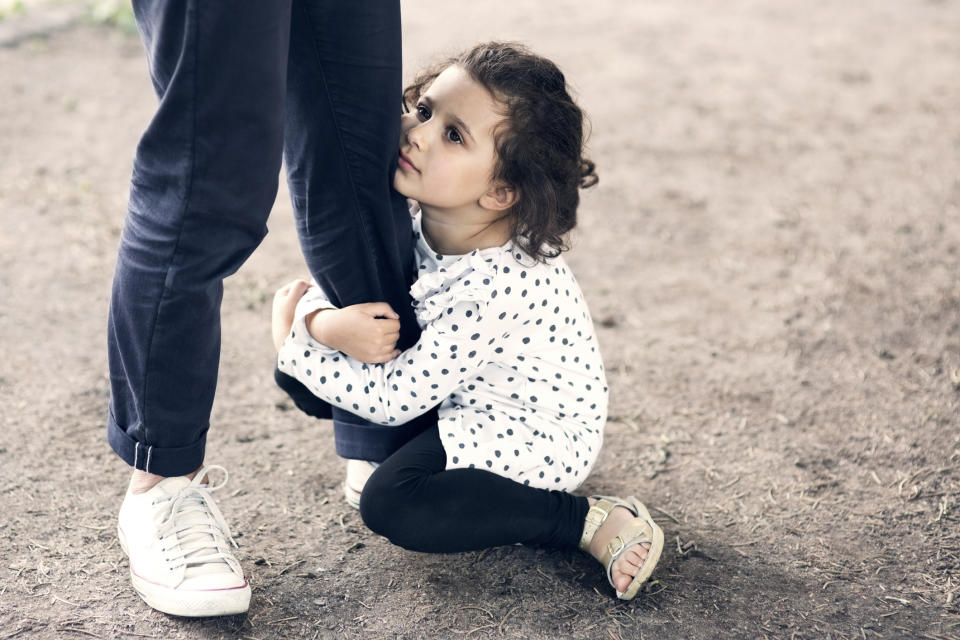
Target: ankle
(141,481)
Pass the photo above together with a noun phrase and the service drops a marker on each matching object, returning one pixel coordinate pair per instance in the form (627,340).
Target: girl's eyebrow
(457,122)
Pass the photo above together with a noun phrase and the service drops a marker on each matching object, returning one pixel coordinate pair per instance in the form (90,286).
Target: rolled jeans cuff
(162,461)
(367,441)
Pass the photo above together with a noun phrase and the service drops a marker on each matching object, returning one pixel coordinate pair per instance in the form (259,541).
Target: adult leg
(204,180)
(343,127)
(413,501)
(205,177)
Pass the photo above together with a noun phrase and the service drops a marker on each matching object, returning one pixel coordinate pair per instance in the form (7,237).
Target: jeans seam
(349,170)
(191,9)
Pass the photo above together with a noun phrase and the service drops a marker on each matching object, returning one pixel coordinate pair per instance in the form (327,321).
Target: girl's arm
(451,349)
(367,332)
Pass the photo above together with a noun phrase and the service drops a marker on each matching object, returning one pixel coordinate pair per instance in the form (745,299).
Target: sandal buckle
(615,546)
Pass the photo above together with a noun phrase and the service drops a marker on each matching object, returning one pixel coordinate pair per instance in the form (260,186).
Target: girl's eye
(423,111)
(454,136)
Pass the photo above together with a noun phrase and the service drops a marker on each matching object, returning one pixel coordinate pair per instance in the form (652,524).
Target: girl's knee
(385,506)
(380,503)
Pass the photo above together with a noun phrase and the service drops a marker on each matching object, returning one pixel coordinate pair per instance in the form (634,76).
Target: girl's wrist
(315,321)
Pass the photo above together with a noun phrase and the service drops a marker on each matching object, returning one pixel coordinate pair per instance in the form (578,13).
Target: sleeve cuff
(313,300)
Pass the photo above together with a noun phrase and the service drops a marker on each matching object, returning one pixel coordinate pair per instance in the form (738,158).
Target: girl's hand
(365,332)
(284,305)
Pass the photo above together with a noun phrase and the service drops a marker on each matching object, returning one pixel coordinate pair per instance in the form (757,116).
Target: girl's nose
(416,135)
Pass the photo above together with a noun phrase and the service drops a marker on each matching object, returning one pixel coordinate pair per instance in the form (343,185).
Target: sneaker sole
(351,495)
(190,604)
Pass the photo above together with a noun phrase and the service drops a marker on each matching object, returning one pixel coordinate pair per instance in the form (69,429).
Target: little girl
(492,154)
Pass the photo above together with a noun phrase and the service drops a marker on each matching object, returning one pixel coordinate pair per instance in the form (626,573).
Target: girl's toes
(628,565)
(632,560)
(641,553)
(638,557)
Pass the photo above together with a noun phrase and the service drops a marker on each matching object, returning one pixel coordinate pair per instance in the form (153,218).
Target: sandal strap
(641,530)
(632,534)
(597,515)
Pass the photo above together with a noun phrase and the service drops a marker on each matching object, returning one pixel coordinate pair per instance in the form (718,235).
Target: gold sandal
(641,530)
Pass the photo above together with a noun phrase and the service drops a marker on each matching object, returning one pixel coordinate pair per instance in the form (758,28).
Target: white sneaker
(179,549)
(358,471)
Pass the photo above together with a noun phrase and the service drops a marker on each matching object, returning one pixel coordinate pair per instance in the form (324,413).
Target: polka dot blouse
(508,351)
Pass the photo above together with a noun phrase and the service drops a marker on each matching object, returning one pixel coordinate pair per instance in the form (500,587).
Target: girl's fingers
(385,356)
(294,285)
(375,309)
(387,326)
(388,341)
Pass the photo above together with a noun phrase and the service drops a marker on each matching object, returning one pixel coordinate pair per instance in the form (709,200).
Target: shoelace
(192,528)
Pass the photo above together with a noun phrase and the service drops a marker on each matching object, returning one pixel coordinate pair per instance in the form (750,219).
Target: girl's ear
(500,197)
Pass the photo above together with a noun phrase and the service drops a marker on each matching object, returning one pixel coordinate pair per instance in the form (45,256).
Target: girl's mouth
(404,162)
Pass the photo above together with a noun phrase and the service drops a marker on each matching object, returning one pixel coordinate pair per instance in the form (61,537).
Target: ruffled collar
(444,280)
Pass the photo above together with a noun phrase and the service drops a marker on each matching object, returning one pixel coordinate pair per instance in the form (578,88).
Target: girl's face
(447,151)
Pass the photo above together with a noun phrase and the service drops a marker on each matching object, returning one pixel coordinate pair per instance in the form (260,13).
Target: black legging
(413,501)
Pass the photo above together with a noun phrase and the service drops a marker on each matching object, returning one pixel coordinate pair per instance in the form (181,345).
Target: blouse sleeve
(452,347)
(312,300)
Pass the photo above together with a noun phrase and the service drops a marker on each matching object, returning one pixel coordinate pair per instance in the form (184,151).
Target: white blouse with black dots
(508,351)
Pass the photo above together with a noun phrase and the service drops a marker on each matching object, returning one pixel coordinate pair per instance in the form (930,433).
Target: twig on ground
(83,631)
(72,604)
(729,484)
(37,544)
(661,511)
(292,566)
(474,630)
(502,622)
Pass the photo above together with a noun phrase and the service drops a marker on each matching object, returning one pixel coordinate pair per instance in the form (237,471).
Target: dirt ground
(772,259)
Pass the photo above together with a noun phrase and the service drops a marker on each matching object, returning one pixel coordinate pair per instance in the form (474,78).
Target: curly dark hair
(540,146)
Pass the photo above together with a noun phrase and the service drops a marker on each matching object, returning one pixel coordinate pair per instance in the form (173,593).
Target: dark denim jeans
(240,85)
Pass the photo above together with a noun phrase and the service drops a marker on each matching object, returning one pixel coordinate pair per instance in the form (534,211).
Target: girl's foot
(625,539)
(630,561)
